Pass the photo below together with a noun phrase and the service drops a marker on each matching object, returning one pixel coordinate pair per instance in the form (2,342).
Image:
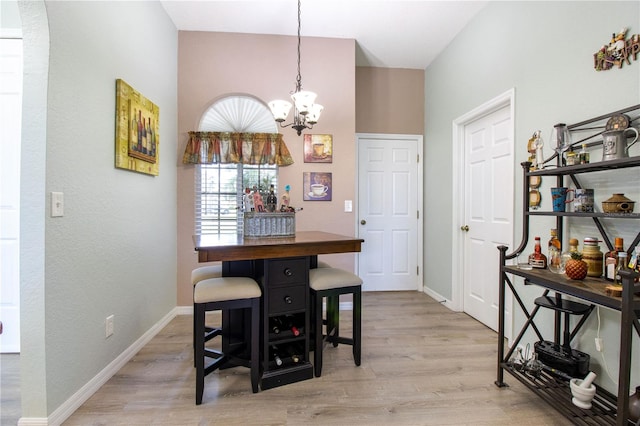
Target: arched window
(219,187)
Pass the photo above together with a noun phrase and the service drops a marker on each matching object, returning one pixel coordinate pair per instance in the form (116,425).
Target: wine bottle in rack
(276,325)
(294,352)
(276,355)
(291,325)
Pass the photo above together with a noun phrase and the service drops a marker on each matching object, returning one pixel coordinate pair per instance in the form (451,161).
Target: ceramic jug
(614,143)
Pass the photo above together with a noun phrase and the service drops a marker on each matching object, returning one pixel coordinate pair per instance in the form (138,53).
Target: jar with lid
(571,158)
(592,255)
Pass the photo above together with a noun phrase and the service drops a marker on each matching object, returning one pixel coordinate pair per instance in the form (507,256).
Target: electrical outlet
(599,344)
(109,325)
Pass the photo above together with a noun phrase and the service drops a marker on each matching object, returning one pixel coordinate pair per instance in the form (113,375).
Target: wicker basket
(261,225)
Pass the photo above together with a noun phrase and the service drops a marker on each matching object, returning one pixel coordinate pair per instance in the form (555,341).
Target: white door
(488,210)
(10,122)
(389,204)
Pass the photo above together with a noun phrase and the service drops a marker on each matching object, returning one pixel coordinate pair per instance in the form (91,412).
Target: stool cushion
(205,272)
(329,278)
(225,288)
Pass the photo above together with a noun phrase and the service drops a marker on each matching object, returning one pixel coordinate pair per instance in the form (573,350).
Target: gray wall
(114,251)
(544,50)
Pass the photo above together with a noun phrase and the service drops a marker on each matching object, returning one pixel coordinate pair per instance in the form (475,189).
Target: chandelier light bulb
(314,113)
(303,101)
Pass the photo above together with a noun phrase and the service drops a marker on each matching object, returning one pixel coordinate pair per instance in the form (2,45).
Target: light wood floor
(422,364)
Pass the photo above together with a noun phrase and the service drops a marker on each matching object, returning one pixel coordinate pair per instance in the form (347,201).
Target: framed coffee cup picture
(318,148)
(316,186)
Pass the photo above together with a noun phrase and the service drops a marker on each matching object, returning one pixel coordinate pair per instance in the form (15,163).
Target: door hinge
(418,214)
(417,270)
(417,158)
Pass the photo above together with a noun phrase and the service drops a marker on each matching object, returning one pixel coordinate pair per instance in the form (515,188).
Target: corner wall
(545,51)
(114,250)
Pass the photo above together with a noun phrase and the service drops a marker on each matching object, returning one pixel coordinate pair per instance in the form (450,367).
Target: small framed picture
(316,186)
(318,148)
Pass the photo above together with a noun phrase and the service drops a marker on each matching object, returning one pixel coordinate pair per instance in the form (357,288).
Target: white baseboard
(65,410)
(438,297)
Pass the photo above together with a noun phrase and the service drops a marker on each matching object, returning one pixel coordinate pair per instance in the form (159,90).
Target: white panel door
(388,195)
(489,179)
(10,122)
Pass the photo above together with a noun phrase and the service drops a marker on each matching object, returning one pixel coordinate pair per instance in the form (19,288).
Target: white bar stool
(225,293)
(330,283)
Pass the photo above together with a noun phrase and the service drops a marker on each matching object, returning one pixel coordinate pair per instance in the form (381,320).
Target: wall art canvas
(137,131)
(318,148)
(316,186)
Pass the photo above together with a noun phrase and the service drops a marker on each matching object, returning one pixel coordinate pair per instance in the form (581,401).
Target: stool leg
(316,299)
(198,337)
(357,332)
(255,344)
(333,319)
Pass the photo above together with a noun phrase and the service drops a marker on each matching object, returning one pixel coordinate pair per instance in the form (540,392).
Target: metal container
(615,144)
(262,225)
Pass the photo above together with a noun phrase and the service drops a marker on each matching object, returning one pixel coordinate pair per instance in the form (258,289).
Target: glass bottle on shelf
(554,253)
(572,157)
(573,248)
(611,260)
(537,259)
(593,256)
(584,154)
(634,263)
(622,266)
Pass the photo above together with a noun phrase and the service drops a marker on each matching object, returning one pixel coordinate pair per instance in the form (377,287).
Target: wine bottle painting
(137,131)
(142,134)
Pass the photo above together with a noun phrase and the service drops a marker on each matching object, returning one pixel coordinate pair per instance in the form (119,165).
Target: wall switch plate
(57,204)
(348,206)
(109,326)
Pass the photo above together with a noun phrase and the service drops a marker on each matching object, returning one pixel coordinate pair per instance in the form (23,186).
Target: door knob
(465,228)
(363,222)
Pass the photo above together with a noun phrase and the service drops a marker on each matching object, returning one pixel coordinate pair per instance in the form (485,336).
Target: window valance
(228,147)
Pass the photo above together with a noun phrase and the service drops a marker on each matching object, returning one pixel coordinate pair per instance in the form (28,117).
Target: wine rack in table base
(551,386)
(285,321)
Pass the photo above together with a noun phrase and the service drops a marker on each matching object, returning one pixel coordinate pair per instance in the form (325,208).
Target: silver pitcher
(614,143)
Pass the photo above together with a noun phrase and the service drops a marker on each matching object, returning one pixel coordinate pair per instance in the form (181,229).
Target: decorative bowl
(618,203)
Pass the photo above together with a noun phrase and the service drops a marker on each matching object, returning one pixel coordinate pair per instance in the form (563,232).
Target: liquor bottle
(144,137)
(611,260)
(537,259)
(622,266)
(584,154)
(554,253)
(572,158)
(276,355)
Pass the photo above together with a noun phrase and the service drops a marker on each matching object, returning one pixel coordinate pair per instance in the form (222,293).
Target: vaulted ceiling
(388,33)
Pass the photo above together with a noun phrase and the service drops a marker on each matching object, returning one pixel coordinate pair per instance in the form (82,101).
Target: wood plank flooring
(422,364)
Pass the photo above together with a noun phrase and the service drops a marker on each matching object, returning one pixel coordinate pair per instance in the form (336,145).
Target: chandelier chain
(299,77)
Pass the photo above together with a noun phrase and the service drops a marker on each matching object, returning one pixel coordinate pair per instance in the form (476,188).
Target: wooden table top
(212,248)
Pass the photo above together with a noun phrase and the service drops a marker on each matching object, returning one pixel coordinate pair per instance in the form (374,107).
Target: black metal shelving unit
(607,408)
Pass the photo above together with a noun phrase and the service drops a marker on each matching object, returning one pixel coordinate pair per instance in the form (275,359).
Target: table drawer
(287,271)
(287,299)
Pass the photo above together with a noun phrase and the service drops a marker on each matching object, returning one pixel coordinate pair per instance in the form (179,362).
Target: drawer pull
(288,300)
(288,272)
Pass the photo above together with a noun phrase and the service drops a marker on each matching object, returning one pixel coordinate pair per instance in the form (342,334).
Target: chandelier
(306,112)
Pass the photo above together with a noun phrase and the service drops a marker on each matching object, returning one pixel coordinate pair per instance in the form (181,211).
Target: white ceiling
(388,33)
